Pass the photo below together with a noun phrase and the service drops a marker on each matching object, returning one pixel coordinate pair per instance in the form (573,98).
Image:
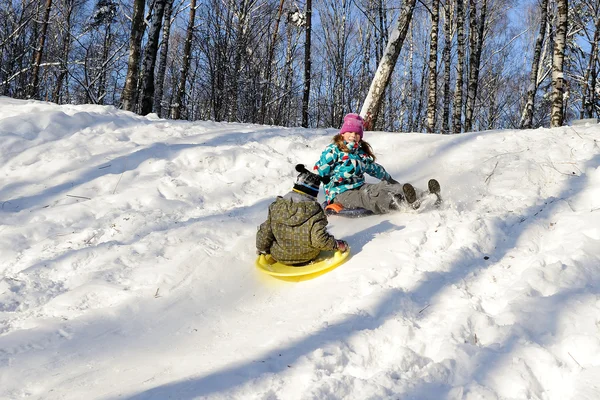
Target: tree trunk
(187,50)
(477,30)
(409,92)
(39,51)
(366,43)
(150,57)
(558,79)
(162,59)
(419,116)
(372,104)
(241,42)
(433,51)
(458,91)
(587,104)
(527,116)
(307,64)
(446,59)
(265,94)
(66,47)
(102,81)
(135,41)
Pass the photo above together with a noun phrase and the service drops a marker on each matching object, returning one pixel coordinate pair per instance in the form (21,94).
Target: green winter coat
(295,231)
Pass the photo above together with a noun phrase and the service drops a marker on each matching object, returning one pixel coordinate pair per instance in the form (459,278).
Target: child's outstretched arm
(377,171)
(265,237)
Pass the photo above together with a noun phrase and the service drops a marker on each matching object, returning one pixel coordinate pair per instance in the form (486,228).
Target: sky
(127,250)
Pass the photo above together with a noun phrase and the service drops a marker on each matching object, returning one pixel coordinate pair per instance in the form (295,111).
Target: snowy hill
(127,251)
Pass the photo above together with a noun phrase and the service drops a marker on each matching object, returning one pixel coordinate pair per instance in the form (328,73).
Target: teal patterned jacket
(346,170)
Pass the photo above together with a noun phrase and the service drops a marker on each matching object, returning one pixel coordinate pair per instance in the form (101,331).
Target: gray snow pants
(381,198)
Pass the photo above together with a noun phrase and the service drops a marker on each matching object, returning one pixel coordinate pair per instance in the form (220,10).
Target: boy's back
(295,231)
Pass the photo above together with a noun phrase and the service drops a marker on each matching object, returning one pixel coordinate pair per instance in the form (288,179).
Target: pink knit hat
(353,123)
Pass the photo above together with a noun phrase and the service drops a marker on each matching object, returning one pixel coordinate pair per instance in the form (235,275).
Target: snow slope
(127,251)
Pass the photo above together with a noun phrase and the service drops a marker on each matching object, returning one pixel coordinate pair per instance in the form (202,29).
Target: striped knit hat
(307,182)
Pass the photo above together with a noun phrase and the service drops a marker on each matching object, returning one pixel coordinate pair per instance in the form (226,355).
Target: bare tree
(307,64)
(129,96)
(460,62)
(162,58)
(150,52)
(476,32)
(187,50)
(527,116)
(372,103)
(63,70)
(558,79)
(269,66)
(37,60)
(446,59)
(243,15)
(590,76)
(433,51)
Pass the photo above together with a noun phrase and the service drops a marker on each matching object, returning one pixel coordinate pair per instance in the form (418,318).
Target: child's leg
(378,198)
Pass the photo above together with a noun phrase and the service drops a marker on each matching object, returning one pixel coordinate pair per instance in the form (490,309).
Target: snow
(127,252)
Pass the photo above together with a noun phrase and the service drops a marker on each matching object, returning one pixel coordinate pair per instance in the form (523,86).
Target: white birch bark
(187,50)
(372,103)
(135,41)
(558,78)
(433,51)
(527,116)
(460,62)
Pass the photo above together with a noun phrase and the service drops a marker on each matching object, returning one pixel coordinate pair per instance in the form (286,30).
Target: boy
(295,231)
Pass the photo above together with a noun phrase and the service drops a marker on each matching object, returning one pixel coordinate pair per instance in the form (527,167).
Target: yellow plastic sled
(324,263)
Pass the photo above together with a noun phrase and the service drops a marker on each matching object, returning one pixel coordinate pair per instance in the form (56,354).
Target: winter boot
(434,188)
(410,195)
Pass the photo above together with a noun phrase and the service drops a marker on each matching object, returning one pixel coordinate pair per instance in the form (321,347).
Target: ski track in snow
(127,251)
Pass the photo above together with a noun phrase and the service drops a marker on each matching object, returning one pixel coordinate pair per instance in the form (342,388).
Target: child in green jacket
(295,231)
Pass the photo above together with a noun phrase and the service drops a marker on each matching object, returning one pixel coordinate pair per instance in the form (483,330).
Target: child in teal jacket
(347,160)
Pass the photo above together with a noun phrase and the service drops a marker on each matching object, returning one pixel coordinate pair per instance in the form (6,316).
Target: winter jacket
(295,231)
(347,170)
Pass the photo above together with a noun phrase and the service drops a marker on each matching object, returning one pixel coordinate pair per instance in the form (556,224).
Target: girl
(345,162)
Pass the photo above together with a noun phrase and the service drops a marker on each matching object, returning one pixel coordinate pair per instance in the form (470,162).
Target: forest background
(459,65)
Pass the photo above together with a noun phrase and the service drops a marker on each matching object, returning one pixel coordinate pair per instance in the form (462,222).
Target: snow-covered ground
(127,264)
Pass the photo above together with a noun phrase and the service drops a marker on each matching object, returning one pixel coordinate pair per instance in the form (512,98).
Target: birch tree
(433,51)
(527,116)
(372,103)
(460,62)
(477,31)
(307,64)
(446,60)
(558,78)
(162,58)
(590,76)
(187,50)
(129,97)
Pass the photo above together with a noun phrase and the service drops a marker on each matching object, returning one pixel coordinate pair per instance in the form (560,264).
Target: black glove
(342,245)
(392,181)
